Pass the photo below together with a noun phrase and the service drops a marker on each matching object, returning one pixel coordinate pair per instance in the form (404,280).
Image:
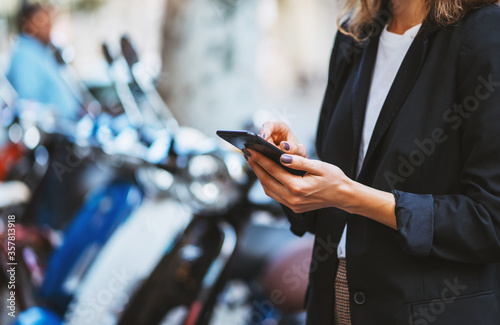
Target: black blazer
(436,145)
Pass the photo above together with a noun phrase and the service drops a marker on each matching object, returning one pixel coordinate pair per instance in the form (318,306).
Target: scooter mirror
(107,53)
(128,51)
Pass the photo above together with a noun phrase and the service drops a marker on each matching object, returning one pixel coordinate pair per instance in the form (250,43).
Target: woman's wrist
(349,196)
(360,199)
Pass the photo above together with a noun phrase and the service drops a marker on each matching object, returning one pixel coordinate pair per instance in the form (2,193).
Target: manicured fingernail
(246,152)
(263,135)
(246,158)
(286,145)
(286,159)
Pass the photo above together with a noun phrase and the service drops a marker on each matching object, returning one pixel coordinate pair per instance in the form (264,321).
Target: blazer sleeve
(300,223)
(466,228)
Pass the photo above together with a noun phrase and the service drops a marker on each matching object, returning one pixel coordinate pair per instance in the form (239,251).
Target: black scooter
(186,285)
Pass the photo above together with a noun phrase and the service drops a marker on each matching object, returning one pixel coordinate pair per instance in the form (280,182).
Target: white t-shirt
(392,49)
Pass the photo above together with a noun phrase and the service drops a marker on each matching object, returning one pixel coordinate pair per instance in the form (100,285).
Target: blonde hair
(361,14)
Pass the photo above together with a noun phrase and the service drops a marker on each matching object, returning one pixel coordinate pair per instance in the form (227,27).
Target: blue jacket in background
(34,74)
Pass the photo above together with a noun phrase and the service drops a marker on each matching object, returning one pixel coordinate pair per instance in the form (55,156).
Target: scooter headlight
(155,181)
(213,182)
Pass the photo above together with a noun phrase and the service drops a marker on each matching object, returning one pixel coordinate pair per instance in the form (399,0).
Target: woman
(405,202)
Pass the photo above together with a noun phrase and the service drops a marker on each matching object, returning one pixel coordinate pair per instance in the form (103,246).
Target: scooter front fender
(101,214)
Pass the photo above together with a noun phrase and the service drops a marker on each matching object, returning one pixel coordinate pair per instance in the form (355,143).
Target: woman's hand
(279,134)
(324,185)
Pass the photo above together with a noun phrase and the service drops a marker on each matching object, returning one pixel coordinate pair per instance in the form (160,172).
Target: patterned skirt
(342,312)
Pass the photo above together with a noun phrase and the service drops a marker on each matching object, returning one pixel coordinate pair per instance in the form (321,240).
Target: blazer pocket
(479,308)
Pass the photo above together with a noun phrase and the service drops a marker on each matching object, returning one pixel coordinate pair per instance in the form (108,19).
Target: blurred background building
(217,61)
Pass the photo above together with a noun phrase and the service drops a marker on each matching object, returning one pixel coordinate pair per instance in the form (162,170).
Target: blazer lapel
(360,90)
(398,93)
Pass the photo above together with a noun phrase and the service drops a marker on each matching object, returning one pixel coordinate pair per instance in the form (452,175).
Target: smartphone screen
(246,139)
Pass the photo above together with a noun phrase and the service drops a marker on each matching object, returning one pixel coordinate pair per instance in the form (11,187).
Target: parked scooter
(106,208)
(144,253)
(126,147)
(24,165)
(155,226)
(185,284)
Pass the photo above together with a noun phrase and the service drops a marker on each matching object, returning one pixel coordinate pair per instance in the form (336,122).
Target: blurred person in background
(405,201)
(34,71)
(36,76)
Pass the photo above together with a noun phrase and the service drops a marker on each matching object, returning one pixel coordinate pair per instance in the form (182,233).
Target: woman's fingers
(300,194)
(268,165)
(293,148)
(279,134)
(273,169)
(272,187)
(314,167)
(315,190)
(288,194)
(267,131)
(291,182)
(275,132)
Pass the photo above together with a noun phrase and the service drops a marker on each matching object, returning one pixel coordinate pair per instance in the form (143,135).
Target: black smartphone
(246,139)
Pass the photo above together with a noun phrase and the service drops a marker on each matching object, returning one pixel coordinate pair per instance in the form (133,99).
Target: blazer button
(359,298)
